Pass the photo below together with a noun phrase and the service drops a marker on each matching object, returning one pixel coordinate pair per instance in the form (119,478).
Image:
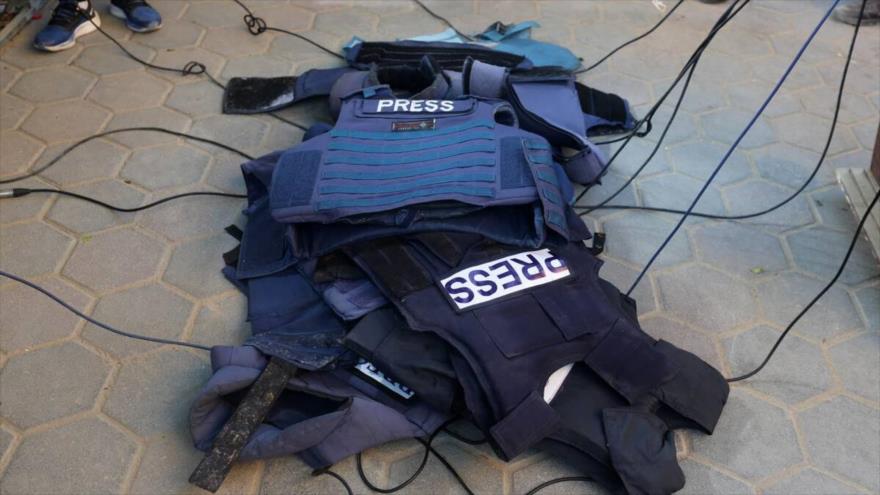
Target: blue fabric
(141,18)
(541,53)
(398,136)
(409,147)
(366,172)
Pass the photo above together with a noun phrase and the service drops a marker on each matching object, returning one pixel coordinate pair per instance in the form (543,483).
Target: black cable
(821,293)
(328,472)
(731,12)
(555,481)
(19,192)
(744,216)
(83,141)
(93,321)
(257,25)
(637,38)
(443,20)
(448,466)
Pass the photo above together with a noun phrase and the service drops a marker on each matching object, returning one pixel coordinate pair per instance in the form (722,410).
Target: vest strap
(528,423)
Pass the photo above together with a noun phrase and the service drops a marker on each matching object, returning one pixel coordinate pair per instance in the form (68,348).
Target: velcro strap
(395,267)
(586,166)
(485,80)
(527,424)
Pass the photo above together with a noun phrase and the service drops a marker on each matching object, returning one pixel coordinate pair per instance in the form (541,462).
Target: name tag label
(414,125)
(392,105)
(369,370)
(499,278)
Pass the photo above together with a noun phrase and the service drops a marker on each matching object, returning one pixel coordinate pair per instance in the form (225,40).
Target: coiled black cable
(257,25)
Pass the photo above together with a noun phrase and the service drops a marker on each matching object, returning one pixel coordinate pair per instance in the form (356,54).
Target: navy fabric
(323,416)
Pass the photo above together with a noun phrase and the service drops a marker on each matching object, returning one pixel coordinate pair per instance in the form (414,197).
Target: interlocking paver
(95,159)
(24,327)
(148,117)
(810,482)
(633,156)
(769,69)
(866,133)
(174,35)
(214,14)
(868,298)
(6,439)
(191,217)
(679,191)
(725,126)
(224,173)
(241,133)
(796,373)
(14,111)
(19,151)
(699,158)
(166,166)
(481,475)
(129,91)
(834,210)
(114,258)
(754,196)
(801,129)
(135,310)
(683,128)
(637,92)
(853,107)
(842,435)
(815,250)
(147,394)
(285,472)
(31,249)
(673,332)
(782,295)
(196,99)
(42,85)
(95,460)
(857,361)
(36,389)
(235,42)
(749,96)
(702,480)
(108,59)
(753,438)
(739,249)
(194,267)
(407,24)
(27,207)
(622,277)
(8,75)
(178,58)
(532,475)
(23,56)
(611,182)
(82,217)
(788,165)
(651,229)
(225,325)
(257,66)
(53,123)
(703,308)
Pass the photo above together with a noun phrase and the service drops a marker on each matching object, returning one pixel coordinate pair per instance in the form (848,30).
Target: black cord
(637,38)
(328,472)
(821,293)
(83,141)
(257,25)
(443,20)
(19,192)
(93,321)
(555,481)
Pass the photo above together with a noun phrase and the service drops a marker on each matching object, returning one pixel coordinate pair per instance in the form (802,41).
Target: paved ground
(87,412)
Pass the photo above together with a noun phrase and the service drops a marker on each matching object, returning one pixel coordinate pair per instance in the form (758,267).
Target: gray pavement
(83,412)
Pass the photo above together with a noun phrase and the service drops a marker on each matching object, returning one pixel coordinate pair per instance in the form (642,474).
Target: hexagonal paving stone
(532,475)
(68,378)
(147,396)
(701,480)
(166,166)
(868,298)
(755,196)
(280,136)
(833,209)
(408,24)
(770,68)
(783,295)
(97,464)
(857,361)
(197,99)
(285,472)
(109,59)
(52,123)
(295,17)
(213,14)
(810,131)
(225,325)
(14,110)
(24,56)
(114,258)
(180,57)
(28,207)
(262,65)
(739,249)
(649,64)
(809,482)
(224,172)
(726,125)
(842,435)
(31,249)
(174,35)
(678,191)
(796,373)
(753,438)
(860,78)
(683,128)
(635,236)
(19,151)
(699,158)
(150,117)
(344,22)
(750,95)
(788,165)
(636,91)
(706,298)
(235,42)
(135,310)
(820,250)
(866,133)
(237,131)
(742,44)
(8,75)
(191,217)
(853,106)
(634,155)
(129,91)
(94,159)
(43,85)
(720,70)
(81,217)
(29,318)
(677,334)
(700,98)
(195,265)
(480,474)
(597,194)
(6,439)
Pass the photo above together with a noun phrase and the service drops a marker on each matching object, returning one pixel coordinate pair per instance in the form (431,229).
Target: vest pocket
(518,325)
(571,308)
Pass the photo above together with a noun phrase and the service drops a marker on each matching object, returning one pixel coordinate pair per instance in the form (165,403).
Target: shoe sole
(119,13)
(81,30)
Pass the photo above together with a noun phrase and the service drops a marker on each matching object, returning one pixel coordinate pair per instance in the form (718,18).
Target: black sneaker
(69,21)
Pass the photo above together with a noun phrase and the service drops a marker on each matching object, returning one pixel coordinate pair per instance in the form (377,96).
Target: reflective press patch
(370,106)
(502,277)
(368,369)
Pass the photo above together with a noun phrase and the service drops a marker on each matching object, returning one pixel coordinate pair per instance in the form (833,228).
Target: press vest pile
(420,260)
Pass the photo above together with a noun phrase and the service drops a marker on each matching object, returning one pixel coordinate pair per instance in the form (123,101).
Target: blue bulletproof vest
(385,154)
(322,416)
(516,317)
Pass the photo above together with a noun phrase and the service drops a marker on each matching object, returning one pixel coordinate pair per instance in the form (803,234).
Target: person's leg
(139,16)
(69,21)
(849,12)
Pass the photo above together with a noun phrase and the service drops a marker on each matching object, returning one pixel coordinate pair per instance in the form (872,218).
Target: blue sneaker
(69,21)
(138,15)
